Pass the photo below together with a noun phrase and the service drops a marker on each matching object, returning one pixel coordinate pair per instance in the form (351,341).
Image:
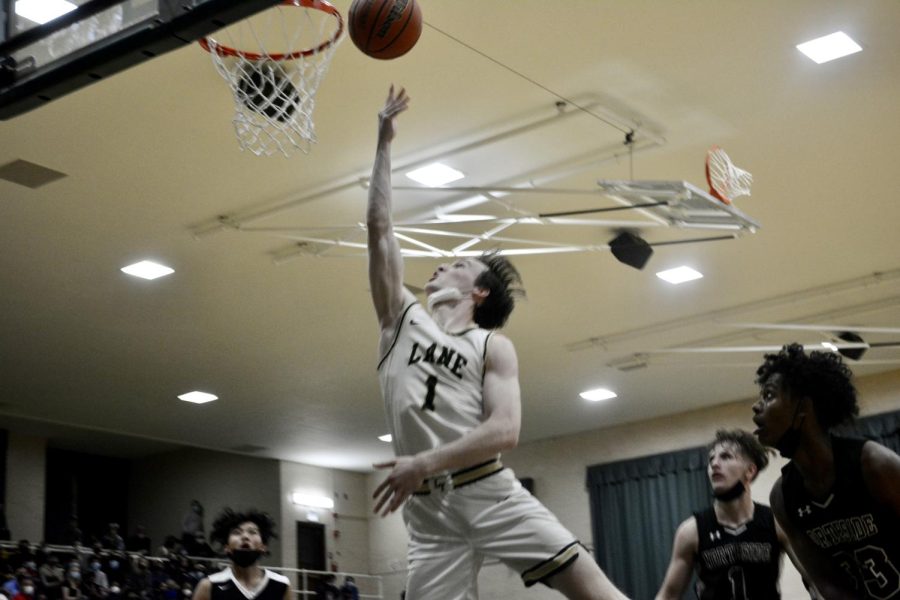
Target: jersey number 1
(430,384)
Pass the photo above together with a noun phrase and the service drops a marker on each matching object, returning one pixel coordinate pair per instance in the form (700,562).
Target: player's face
(726,467)
(246,536)
(461,274)
(773,412)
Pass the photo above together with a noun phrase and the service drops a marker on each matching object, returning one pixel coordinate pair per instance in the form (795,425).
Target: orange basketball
(385,28)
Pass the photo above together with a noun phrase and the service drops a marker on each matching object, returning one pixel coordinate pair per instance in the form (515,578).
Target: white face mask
(450,294)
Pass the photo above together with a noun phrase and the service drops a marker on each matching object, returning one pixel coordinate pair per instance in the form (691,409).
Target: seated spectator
(52,577)
(112,540)
(26,590)
(22,555)
(139,542)
(326,590)
(97,584)
(169,548)
(349,591)
(71,589)
(10,586)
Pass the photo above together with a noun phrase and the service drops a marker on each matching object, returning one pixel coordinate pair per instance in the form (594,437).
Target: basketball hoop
(273,64)
(726,181)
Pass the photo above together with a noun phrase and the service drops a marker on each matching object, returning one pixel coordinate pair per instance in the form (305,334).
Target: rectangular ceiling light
(147,270)
(598,394)
(829,47)
(679,275)
(435,174)
(42,11)
(198,397)
(386,437)
(312,500)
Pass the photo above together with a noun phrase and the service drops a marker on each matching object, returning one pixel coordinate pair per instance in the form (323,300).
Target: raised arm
(499,431)
(385,262)
(681,567)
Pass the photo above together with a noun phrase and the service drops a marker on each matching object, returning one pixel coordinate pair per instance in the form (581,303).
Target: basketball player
(451,391)
(734,545)
(838,499)
(243,536)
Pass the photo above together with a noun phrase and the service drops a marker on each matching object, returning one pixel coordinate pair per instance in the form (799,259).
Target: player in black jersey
(838,499)
(244,537)
(734,545)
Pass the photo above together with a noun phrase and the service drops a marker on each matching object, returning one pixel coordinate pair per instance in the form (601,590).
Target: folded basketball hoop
(726,181)
(273,63)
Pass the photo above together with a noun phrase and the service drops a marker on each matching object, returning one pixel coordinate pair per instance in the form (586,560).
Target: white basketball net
(725,178)
(274,99)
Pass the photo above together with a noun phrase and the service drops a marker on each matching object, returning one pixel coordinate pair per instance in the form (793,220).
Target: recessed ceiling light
(679,275)
(147,270)
(598,394)
(435,174)
(829,47)
(386,437)
(42,11)
(198,397)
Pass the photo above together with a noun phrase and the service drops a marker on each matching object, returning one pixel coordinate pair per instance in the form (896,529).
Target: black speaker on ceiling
(631,249)
(853,338)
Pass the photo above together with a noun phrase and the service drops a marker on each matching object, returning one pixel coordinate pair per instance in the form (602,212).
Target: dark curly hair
(821,376)
(747,444)
(504,283)
(228,520)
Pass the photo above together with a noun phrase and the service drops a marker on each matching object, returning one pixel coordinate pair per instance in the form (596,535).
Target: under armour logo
(804,510)
(715,535)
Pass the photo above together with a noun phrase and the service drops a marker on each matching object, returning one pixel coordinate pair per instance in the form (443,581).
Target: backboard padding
(94,46)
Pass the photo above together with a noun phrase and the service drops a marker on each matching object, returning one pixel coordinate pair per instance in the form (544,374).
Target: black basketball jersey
(738,563)
(226,587)
(861,538)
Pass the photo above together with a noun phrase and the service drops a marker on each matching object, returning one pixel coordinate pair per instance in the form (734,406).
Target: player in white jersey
(244,537)
(451,391)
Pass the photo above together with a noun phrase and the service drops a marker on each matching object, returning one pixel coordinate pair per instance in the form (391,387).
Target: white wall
(559,466)
(346,526)
(162,487)
(26,465)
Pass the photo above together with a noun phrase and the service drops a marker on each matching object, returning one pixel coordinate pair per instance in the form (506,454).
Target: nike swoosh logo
(413,322)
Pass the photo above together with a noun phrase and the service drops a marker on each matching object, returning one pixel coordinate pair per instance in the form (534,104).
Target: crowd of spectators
(113,568)
(109,569)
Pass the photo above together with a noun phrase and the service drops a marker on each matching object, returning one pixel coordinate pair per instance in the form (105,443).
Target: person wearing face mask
(735,545)
(52,576)
(244,537)
(838,499)
(71,589)
(26,589)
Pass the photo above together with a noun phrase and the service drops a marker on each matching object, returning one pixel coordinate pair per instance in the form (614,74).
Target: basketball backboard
(49,48)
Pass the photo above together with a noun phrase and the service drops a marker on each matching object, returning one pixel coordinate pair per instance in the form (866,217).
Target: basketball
(385,29)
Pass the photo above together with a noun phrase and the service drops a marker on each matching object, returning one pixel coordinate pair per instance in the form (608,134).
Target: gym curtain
(636,505)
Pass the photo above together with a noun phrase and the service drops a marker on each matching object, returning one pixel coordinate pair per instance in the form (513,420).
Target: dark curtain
(636,506)
(883,428)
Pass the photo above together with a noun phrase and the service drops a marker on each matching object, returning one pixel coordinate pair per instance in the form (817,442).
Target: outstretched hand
(393,106)
(405,478)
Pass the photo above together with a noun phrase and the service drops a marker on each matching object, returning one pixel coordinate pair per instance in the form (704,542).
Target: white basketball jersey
(432,382)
